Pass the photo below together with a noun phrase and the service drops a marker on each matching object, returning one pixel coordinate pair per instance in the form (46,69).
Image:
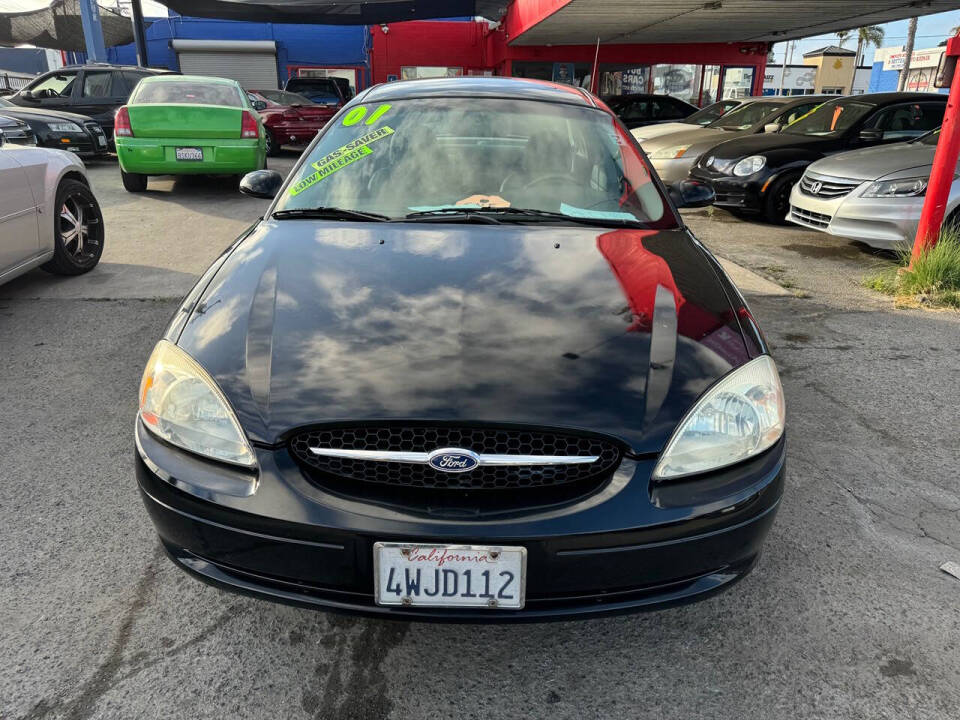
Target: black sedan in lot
(61,130)
(756,174)
(641,110)
(470,365)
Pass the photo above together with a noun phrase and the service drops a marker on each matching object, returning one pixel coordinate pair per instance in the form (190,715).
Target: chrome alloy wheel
(77,233)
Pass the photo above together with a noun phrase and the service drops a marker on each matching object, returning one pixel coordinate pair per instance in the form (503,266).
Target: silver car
(874,195)
(49,216)
(674,155)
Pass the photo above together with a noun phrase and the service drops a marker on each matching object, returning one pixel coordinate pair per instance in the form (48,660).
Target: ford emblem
(453,460)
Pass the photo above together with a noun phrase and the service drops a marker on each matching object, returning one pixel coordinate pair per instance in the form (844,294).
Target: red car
(289,118)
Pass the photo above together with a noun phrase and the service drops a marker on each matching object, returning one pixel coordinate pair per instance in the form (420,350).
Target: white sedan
(49,216)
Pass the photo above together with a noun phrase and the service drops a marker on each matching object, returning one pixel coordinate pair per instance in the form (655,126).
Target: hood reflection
(361,321)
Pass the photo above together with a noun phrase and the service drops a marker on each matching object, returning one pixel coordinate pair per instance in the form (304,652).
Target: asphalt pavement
(846,615)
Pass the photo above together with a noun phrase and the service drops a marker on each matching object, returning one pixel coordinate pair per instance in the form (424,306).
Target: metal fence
(11,82)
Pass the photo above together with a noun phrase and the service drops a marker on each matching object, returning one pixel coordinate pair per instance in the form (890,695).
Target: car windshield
(931,138)
(6,103)
(282,97)
(705,116)
(446,157)
(186,92)
(829,119)
(318,90)
(746,116)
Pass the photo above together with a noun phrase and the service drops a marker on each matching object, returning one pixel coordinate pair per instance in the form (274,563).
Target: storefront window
(679,81)
(737,82)
(711,85)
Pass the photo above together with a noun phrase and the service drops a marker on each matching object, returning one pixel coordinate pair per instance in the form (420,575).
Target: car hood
(47,116)
(614,331)
(747,145)
(696,138)
(874,163)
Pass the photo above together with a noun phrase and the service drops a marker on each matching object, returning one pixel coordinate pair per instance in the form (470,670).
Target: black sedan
(755,174)
(640,110)
(470,365)
(62,130)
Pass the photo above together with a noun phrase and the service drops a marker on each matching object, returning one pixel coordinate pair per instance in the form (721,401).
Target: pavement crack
(103,678)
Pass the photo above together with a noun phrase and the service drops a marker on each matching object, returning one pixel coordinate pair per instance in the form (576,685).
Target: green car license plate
(189,153)
(461,576)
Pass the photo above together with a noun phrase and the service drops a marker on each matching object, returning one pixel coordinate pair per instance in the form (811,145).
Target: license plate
(189,153)
(101,141)
(474,576)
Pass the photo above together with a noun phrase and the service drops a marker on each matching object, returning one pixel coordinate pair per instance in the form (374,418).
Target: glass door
(737,82)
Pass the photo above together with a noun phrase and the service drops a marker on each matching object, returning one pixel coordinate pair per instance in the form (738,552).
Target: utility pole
(92,31)
(139,35)
(783,64)
(908,53)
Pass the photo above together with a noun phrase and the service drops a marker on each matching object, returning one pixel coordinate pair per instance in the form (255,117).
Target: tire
(273,147)
(777,203)
(133,182)
(78,230)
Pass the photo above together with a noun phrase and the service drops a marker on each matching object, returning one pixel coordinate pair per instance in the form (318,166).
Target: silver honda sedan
(874,195)
(49,216)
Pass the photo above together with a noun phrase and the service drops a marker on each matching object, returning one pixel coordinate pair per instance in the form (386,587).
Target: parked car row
(814,161)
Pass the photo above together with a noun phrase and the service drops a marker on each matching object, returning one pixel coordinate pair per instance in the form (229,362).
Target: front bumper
(628,547)
(733,192)
(884,223)
(80,144)
(674,169)
(157,156)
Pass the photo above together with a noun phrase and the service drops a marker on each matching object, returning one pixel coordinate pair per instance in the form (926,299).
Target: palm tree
(866,36)
(907,53)
(842,36)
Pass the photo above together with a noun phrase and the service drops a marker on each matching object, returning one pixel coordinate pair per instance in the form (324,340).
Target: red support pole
(944,166)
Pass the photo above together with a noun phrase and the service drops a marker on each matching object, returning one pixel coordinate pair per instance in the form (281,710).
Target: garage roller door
(252,63)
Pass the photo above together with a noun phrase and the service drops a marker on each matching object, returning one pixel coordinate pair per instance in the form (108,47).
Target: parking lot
(847,614)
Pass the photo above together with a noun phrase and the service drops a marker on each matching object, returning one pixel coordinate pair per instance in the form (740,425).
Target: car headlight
(669,153)
(740,416)
(910,187)
(180,403)
(64,127)
(749,165)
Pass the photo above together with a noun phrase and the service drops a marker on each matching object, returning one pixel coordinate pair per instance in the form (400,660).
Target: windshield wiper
(507,214)
(452,214)
(330,213)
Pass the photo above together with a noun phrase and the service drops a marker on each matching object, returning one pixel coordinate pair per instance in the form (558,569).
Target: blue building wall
(23,60)
(887,80)
(331,45)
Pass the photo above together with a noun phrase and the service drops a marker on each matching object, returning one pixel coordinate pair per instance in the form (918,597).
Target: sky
(931,30)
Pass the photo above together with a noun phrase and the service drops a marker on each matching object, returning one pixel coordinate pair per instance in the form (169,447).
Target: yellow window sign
(341,158)
(361,141)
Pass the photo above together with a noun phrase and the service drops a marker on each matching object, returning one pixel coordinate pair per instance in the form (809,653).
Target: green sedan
(187,125)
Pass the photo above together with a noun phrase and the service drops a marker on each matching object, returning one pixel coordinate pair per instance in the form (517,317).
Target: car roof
(189,78)
(112,66)
(888,98)
(480,87)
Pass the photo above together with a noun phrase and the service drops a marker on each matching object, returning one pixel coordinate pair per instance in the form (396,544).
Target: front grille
(807,217)
(826,188)
(426,438)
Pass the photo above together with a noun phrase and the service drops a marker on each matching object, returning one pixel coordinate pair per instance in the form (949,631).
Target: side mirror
(261,183)
(691,194)
(871,135)
(772,127)
(259,105)
(27,95)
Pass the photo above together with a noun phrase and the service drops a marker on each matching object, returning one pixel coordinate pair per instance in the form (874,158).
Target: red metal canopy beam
(524,14)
